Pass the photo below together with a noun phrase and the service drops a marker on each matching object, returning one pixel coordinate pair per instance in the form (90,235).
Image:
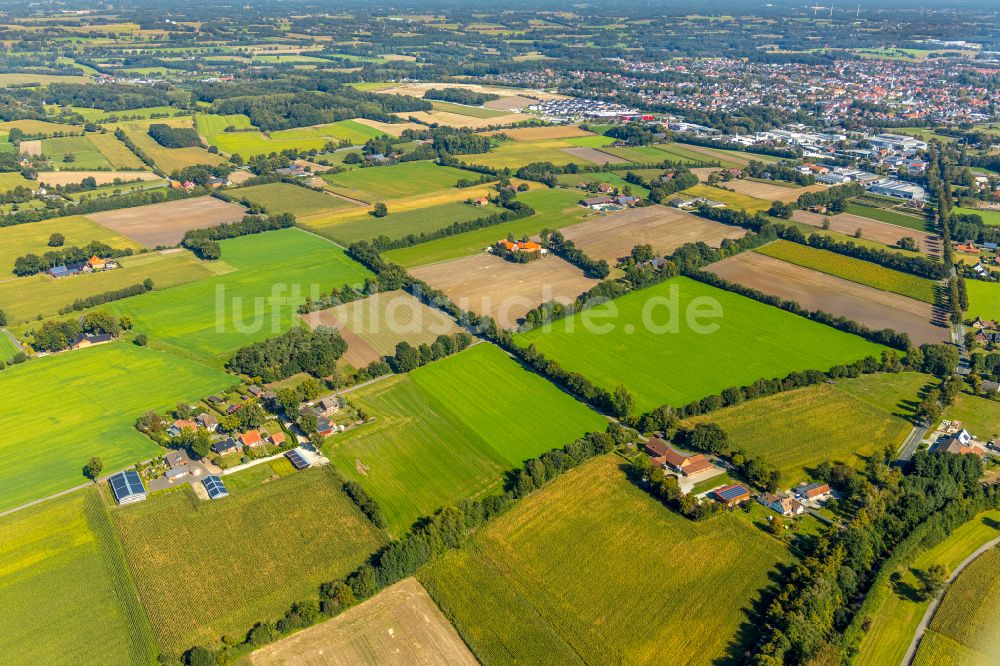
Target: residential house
(324,426)
(278,438)
(969,247)
(84,340)
(784,504)
(177,458)
(479,202)
(224,446)
(981,324)
(528,247)
(596,202)
(98,264)
(179,426)
(251,439)
(329,405)
(207,421)
(813,491)
(675,461)
(255,390)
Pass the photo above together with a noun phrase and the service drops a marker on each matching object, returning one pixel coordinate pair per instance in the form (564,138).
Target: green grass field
(65,593)
(515,154)
(7,347)
(398,225)
(77,230)
(12,179)
(36,128)
(24,299)
(211,318)
(984,299)
(207,569)
(394,182)
(250,142)
(822,422)
(897,619)
(855,270)
(640,154)
(464,110)
(61,410)
(965,630)
(554,209)
(437,437)
(748,341)
(990,217)
(731,199)
(85,154)
(677,152)
(592,570)
(889,216)
(980,416)
(288,198)
(593,141)
(115,152)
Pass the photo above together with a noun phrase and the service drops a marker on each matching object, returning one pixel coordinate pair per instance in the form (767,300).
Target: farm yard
(413,466)
(895,622)
(387,183)
(965,630)
(33,238)
(855,270)
(288,198)
(488,285)
(554,209)
(401,624)
(24,299)
(613,236)
(164,224)
(514,597)
(67,549)
(748,340)
(582,179)
(887,234)
(274,273)
(814,290)
(101,393)
(372,326)
(264,559)
(797,430)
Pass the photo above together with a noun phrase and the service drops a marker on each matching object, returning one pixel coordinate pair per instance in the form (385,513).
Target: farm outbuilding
(215,488)
(298,460)
(732,494)
(127,487)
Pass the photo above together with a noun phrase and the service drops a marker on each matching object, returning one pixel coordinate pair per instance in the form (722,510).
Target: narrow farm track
(911,652)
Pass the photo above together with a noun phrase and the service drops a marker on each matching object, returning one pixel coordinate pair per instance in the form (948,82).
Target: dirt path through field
(813,290)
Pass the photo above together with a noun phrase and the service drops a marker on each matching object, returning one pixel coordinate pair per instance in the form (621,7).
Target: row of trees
(514,210)
(562,247)
(204,242)
(108,296)
(299,350)
(407,357)
(31,264)
(460,96)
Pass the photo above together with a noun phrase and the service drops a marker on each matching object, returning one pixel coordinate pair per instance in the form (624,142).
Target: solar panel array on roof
(127,487)
(297,459)
(731,492)
(215,487)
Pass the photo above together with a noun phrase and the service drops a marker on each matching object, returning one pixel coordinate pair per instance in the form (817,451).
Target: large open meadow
(288,198)
(61,410)
(984,299)
(63,573)
(797,430)
(275,272)
(746,341)
(403,180)
(449,430)
(247,141)
(24,299)
(208,569)
(592,570)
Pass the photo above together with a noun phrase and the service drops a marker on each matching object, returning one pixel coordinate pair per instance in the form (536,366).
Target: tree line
(205,242)
(31,264)
(108,296)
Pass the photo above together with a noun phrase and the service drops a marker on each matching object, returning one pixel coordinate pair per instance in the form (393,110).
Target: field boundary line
(925,621)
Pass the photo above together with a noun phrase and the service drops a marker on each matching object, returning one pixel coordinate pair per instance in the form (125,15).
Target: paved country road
(911,652)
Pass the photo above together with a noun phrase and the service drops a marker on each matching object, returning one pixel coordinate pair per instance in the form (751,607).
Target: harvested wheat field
(461,121)
(540,133)
(489,285)
(393,129)
(512,103)
(400,625)
(770,191)
(813,290)
(102,177)
(31,147)
(613,236)
(595,156)
(372,326)
(164,224)
(882,232)
(704,172)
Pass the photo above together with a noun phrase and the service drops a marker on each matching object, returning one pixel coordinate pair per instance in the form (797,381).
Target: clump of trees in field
(174,137)
(299,350)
